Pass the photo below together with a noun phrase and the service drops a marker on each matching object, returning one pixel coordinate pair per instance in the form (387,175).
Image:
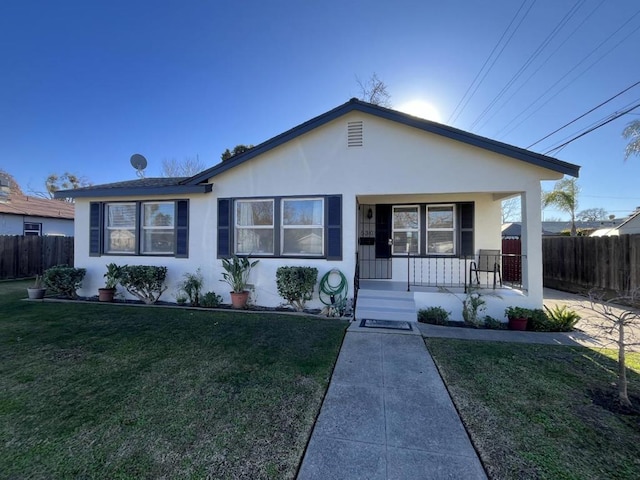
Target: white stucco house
(378,194)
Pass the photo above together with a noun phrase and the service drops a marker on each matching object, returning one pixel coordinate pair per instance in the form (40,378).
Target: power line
(449,121)
(510,123)
(536,53)
(602,124)
(584,114)
(544,62)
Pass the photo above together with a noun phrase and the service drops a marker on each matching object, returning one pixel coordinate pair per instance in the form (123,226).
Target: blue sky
(84,85)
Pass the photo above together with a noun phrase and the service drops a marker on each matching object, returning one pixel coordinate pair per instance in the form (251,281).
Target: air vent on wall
(355,133)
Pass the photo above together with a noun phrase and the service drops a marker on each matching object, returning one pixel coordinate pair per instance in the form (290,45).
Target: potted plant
(107,293)
(236,274)
(37,291)
(518,317)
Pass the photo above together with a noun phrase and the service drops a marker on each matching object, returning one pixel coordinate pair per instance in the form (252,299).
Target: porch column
(531,238)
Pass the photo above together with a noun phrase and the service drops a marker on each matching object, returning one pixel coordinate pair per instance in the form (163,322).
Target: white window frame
(412,230)
(452,229)
(144,228)
(35,232)
(107,228)
(237,226)
(284,227)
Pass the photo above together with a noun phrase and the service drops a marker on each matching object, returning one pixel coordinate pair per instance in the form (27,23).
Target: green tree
(564,197)
(632,133)
(66,181)
(237,150)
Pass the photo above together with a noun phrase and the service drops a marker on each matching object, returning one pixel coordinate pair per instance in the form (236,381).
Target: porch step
(385,305)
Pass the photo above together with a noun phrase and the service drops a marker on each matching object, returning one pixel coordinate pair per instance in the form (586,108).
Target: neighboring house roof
(143,186)
(19,204)
(393,115)
(514,229)
(628,225)
(194,183)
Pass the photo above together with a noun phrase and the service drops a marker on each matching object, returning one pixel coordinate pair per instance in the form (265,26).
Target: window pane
(121,215)
(158,241)
(254,240)
(303,241)
(159,214)
(121,241)
(302,212)
(405,218)
(400,241)
(249,213)
(440,242)
(440,217)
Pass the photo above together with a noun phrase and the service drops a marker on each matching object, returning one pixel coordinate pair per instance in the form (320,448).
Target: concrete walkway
(388,415)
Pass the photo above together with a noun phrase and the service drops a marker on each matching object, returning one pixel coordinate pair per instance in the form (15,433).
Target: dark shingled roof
(142,186)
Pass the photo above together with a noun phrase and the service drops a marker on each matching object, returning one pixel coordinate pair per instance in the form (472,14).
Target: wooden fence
(581,263)
(22,257)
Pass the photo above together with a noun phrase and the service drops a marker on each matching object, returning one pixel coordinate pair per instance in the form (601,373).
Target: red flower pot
(518,323)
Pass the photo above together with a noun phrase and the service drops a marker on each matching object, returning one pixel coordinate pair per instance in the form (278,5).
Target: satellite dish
(139,163)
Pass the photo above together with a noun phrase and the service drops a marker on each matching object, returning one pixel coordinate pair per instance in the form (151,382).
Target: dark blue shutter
(95,229)
(383,231)
(334,227)
(224,227)
(465,220)
(182,228)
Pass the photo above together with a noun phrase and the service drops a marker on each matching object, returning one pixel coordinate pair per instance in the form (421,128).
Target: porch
(392,300)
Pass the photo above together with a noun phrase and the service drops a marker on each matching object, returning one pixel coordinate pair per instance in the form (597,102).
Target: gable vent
(355,133)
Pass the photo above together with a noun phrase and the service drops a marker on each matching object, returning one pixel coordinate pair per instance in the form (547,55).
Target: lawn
(106,391)
(543,412)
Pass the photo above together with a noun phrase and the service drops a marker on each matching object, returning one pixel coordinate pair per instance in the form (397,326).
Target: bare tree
(591,214)
(511,210)
(619,326)
(374,91)
(188,167)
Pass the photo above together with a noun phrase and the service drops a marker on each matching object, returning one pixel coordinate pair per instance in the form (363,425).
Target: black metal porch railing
(456,272)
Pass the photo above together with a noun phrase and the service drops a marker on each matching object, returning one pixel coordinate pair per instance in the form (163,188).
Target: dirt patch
(608,399)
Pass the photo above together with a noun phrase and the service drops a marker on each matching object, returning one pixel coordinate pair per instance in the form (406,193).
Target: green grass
(543,412)
(105,391)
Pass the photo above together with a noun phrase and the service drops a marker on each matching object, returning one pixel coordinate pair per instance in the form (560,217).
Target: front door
(374,250)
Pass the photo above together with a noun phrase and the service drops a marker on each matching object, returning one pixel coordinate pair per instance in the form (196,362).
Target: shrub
(471,308)
(144,282)
(561,318)
(433,315)
(538,321)
(64,280)
(192,286)
(210,300)
(295,284)
(494,323)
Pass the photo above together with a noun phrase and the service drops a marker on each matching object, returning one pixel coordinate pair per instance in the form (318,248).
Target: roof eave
(135,191)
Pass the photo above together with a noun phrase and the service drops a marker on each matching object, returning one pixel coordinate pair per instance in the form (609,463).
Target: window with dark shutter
(95,229)
(182,228)
(224,227)
(465,216)
(334,227)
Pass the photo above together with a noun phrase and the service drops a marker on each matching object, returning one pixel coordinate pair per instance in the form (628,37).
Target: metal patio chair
(488,262)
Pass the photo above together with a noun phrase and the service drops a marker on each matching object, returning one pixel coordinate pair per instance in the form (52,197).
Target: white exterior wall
(396,164)
(14,225)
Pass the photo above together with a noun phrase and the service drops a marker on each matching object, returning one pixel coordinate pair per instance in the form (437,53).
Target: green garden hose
(333,293)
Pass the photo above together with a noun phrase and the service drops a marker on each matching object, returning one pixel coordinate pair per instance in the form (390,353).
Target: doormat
(390,324)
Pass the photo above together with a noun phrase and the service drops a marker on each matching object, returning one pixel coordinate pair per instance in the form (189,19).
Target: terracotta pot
(36,293)
(518,323)
(239,300)
(106,294)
